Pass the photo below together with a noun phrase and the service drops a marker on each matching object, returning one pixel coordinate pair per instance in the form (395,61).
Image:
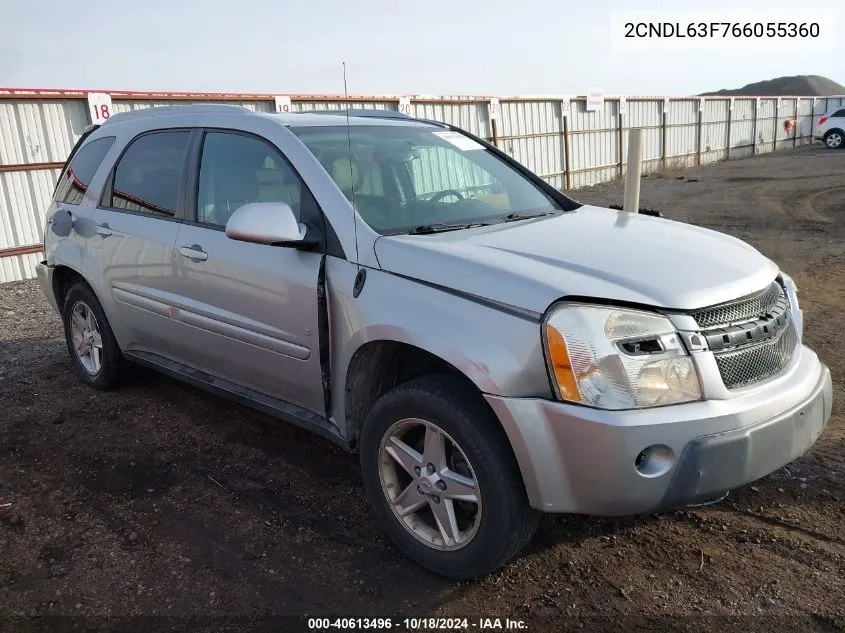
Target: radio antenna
(351,173)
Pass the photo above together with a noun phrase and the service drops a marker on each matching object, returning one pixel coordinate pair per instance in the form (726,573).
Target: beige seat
(346,176)
(273,188)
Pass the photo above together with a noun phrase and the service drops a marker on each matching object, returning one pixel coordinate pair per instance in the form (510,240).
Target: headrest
(268,176)
(345,173)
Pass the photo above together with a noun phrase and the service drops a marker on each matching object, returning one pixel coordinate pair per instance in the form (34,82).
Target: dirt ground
(159,499)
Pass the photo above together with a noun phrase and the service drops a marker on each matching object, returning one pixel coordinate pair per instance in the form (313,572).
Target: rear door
(135,232)
(250,310)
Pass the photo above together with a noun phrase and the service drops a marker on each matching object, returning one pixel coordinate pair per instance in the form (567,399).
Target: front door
(250,310)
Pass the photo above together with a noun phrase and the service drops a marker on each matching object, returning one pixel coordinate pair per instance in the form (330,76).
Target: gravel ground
(159,499)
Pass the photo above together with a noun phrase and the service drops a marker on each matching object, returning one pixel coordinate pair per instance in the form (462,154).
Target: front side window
(402,177)
(77,176)
(235,170)
(148,174)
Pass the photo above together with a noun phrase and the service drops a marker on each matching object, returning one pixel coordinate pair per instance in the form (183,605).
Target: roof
(356,117)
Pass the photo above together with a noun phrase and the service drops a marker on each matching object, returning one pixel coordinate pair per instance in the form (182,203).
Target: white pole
(634,171)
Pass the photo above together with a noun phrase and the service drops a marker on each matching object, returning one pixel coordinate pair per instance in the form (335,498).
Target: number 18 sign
(99,107)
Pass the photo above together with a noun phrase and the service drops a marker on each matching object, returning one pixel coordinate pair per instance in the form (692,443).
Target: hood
(589,252)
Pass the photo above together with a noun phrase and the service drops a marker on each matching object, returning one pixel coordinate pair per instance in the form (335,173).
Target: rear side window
(77,176)
(839,114)
(148,175)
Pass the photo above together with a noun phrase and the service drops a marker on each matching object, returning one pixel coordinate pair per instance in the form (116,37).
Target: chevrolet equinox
(491,348)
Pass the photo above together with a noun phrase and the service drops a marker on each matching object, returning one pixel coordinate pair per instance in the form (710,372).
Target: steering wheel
(443,194)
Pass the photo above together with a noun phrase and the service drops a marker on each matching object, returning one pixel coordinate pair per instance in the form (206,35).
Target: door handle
(193,252)
(104,229)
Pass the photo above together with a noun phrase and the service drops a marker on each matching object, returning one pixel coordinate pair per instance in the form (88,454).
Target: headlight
(615,358)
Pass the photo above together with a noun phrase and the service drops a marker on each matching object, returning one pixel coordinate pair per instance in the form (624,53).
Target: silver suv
(491,348)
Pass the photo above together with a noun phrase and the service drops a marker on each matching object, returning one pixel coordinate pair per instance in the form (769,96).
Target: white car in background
(831,129)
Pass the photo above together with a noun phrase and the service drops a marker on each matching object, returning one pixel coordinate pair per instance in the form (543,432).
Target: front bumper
(45,280)
(582,460)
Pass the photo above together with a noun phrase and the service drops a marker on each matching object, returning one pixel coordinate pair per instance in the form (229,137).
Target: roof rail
(368,113)
(200,108)
(361,112)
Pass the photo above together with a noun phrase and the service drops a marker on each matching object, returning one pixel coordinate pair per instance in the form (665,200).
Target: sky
(437,47)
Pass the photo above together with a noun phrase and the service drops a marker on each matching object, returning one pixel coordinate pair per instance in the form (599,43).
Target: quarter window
(77,176)
(236,169)
(838,114)
(149,172)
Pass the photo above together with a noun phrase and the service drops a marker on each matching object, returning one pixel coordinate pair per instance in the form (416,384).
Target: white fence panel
(582,148)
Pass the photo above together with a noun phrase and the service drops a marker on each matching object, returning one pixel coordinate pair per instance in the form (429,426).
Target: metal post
(634,171)
(494,132)
(812,121)
(698,137)
(754,128)
(567,171)
(775,137)
(730,118)
(795,129)
(620,132)
(663,139)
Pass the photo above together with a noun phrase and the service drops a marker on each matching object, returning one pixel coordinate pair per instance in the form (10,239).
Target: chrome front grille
(741,310)
(748,364)
(752,339)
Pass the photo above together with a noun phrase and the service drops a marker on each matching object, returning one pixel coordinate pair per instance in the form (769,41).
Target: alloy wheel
(429,484)
(86,337)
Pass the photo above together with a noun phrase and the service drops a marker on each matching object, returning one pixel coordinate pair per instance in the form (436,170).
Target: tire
(502,522)
(79,302)
(834,139)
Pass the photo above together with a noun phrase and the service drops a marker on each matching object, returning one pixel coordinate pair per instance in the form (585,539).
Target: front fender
(479,372)
(501,353)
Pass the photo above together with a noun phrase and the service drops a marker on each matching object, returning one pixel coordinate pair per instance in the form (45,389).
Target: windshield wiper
(440,227)
(525,215)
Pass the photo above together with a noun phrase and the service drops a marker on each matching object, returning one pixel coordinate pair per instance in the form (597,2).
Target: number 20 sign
(99,107)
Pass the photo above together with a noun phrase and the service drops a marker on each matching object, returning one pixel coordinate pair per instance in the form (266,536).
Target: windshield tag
(459,140)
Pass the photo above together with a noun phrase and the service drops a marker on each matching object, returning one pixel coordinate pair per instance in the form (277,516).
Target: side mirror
(267,223)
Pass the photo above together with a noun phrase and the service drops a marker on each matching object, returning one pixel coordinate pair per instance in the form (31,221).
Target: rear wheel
(834,139)
(442,478)
(92,346)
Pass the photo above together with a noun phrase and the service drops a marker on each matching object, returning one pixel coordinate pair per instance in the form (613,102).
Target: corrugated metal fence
(558,138)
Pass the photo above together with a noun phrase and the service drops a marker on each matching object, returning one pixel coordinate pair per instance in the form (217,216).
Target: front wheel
(834,139)
(441,477)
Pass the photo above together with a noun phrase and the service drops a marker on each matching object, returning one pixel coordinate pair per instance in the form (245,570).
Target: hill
(798,85)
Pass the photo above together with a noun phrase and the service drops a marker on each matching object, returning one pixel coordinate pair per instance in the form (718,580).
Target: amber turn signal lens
(564,374)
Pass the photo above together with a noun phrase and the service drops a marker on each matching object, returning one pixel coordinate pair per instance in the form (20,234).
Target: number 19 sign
(99,107)
(283,104)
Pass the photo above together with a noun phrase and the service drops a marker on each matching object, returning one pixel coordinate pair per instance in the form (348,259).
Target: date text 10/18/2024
(417,624)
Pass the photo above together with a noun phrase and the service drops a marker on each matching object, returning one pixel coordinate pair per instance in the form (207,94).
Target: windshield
(403,178)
